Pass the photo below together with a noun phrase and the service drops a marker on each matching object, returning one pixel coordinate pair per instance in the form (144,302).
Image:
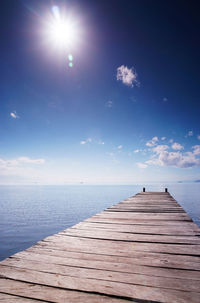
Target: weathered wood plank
(113,276)
(112,235)
(137,258)
(127,264)
(4,298)
(157,230)
(157,222)
(120,248)
(109,273)
(104,287)
(139,216)
(52,294)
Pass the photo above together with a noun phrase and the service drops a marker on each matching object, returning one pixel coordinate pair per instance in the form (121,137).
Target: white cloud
(175,159)
(163,138)
(109,104)
(32,161)
(163,157)
(119,146)
(196,149)
(177,146)
(101,142)
(110,154)
(113,157)
(165,99)
(152,142)
(198,137)
(127,75)
(136,151)
(14,115)
(89,140)
(160,148)
(142,165)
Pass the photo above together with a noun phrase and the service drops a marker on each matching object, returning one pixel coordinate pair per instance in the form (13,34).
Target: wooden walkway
(144,249)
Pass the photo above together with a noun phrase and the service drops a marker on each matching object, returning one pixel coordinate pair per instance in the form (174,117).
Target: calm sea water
(30,213)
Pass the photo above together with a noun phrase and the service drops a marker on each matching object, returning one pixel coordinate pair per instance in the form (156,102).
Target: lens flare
(56,12)
(70,57)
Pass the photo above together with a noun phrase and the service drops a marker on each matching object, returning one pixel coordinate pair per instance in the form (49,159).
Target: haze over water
(30,213)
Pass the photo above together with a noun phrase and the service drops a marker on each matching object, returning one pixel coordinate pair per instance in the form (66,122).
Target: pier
(145,249)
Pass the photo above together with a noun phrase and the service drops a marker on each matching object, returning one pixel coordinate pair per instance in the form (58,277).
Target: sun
(63,33)
(62,30)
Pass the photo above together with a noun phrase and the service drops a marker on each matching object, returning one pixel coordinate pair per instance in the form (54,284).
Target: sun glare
(62,30)
(62,33)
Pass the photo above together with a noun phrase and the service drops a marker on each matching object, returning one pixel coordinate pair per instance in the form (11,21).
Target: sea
(30,213)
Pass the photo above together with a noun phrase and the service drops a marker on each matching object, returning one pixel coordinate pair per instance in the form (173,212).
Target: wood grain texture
(143,249)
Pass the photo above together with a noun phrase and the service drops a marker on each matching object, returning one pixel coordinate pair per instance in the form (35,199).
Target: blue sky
(126,112)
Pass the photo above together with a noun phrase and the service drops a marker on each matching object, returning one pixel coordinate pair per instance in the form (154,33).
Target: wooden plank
(13,299)
(113,276)
(137,258)
(116,264)
(139,216)
(146,206)
(122,248)
(52,294)
(112,235)
(113,262)
(144,212)
(141,209)
(161,230)
(104,287)
(157,222)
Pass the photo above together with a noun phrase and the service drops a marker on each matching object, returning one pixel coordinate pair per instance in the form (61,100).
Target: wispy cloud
(127,75)
(152,142)
(14,115)
(196,149)
(101,142)
(165,99)
(198,137)
(163,138)
(113,157)
(177,146)
(109,104)
(141,165)
(136,151)
(189,134)
(119,147)
(8,164)
(83,142)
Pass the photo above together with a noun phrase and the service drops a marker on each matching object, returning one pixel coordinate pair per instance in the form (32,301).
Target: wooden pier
(144,249)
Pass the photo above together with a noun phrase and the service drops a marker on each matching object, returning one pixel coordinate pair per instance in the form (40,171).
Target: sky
(110,97)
